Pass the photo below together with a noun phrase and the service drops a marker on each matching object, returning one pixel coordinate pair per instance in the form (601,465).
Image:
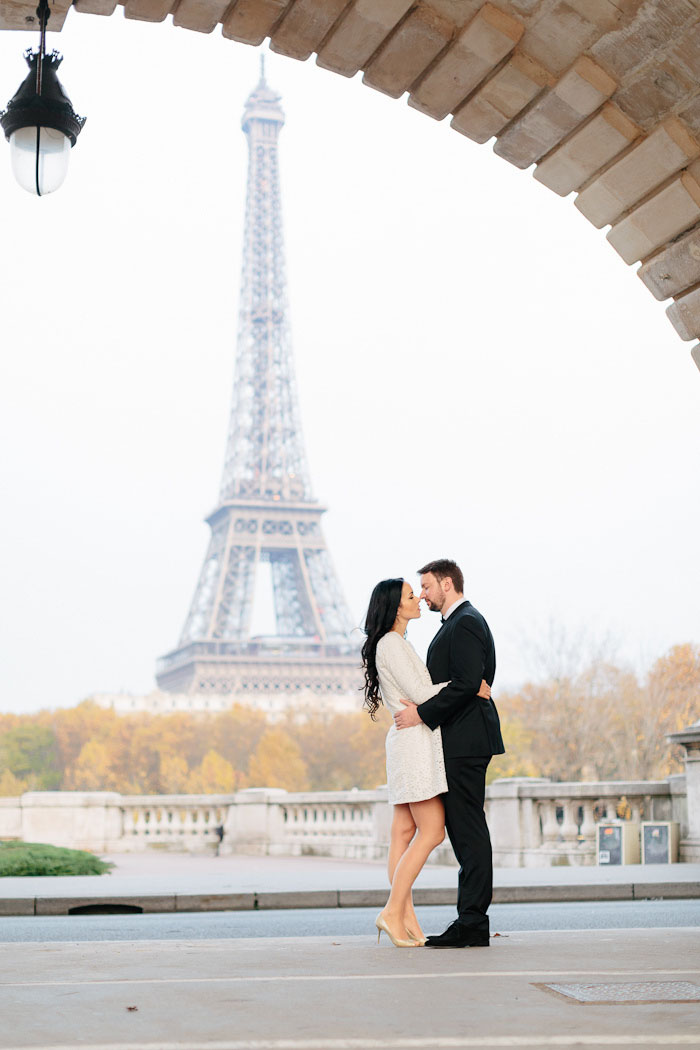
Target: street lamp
(39,122)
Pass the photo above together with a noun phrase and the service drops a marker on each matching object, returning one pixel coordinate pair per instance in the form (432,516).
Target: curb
(200,902)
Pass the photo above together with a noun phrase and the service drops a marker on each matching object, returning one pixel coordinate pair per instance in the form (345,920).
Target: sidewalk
(166,882)
(602,989)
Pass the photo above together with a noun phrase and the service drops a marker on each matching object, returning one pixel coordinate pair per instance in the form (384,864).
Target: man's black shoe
(458,936)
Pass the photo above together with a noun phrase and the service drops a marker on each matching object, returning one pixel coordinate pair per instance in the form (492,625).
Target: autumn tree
(342,751)
(586,720)
(278,762)
(173,774)
(214,776)
(10,785)
(30,752)
(93,769)
(235,734)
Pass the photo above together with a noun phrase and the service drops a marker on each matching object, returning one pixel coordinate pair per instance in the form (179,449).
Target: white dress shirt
(455,605)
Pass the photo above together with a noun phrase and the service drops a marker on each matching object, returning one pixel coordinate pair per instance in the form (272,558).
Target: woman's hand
(484,690)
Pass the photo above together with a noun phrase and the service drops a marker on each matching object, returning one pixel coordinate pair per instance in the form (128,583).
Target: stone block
(22,15)
(76,819)
(16,906)
(480,46)
(11,818)
(674,269)
(655,91)
(579,93)
(587,151)
(690,114)
(202,16)
(695,354)
(251,21)
(148,10)
(459,12)
(667,891)
(362,898)
(297,899)
(686,51)
(601,891)
(501,98)
(652,224)
(432,895)
(95,7)
(357,36)
(684,315)
(408,52)
(651,29)
(558,34)
(304,27)
(655,159)
(214,902)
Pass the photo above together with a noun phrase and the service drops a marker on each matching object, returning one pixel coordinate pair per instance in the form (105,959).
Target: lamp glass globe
(39,158)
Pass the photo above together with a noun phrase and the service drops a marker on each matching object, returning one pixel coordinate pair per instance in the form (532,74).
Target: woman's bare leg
(403,828)
(429,819)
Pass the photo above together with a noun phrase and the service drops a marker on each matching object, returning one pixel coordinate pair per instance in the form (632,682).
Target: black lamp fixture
(39,122)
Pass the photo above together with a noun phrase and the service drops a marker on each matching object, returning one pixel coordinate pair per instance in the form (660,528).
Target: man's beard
(433,607)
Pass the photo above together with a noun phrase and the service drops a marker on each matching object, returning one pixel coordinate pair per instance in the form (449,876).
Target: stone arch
(602,97)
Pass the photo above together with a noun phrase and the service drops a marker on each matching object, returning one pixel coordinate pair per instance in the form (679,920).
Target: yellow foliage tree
(215,776)
(10,785)
(595,723)
(174,774)
(92,770)
(278,762)
(342,751)
(517,761)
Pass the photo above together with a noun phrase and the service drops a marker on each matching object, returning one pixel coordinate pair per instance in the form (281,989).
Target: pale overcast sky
(480,375)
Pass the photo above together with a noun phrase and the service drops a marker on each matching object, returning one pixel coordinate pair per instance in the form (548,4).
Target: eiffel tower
(266,512)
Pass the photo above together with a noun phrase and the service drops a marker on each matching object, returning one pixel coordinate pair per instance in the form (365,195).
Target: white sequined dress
(415,765)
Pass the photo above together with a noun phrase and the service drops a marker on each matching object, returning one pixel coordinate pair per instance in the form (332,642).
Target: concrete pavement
(603,989)
(162,882)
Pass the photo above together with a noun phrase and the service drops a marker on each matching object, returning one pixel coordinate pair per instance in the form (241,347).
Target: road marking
(242,979)
(430,1043)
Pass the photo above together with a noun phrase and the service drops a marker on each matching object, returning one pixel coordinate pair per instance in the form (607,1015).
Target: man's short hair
(442,568)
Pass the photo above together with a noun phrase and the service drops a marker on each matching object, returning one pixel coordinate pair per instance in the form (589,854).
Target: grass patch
(36,858)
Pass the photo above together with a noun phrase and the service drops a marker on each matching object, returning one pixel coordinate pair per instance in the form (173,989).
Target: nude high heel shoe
(381,924)
(420,941)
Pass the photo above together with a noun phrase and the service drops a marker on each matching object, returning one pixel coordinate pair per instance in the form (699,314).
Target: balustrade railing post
(569,826)
(588,823)
(550,824)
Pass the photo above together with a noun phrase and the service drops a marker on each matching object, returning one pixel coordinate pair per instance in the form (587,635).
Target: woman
(415,765)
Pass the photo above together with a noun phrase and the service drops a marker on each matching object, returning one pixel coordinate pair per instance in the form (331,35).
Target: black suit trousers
(469,834)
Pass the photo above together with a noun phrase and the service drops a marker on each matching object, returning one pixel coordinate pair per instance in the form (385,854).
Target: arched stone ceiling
(601,96)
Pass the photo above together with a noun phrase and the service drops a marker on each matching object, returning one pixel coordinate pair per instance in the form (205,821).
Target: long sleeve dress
(415,765)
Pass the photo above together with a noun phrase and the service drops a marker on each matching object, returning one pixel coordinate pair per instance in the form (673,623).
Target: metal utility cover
(631,993)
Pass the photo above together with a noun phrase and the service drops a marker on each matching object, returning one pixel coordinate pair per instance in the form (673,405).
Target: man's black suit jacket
(462,652)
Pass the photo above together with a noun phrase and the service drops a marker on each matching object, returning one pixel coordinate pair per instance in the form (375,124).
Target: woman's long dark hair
(380,618)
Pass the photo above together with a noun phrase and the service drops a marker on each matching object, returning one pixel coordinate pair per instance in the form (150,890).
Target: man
(461,653)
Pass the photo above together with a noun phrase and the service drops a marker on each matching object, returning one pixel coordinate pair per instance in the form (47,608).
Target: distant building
(276,706)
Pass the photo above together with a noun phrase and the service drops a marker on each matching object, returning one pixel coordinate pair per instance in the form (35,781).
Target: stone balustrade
(186,822)
(536,823)
(533,822)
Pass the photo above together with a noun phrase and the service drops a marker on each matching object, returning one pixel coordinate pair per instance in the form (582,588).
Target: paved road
(346,922)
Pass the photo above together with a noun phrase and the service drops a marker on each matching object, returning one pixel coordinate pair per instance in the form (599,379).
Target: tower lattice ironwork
(266,511)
